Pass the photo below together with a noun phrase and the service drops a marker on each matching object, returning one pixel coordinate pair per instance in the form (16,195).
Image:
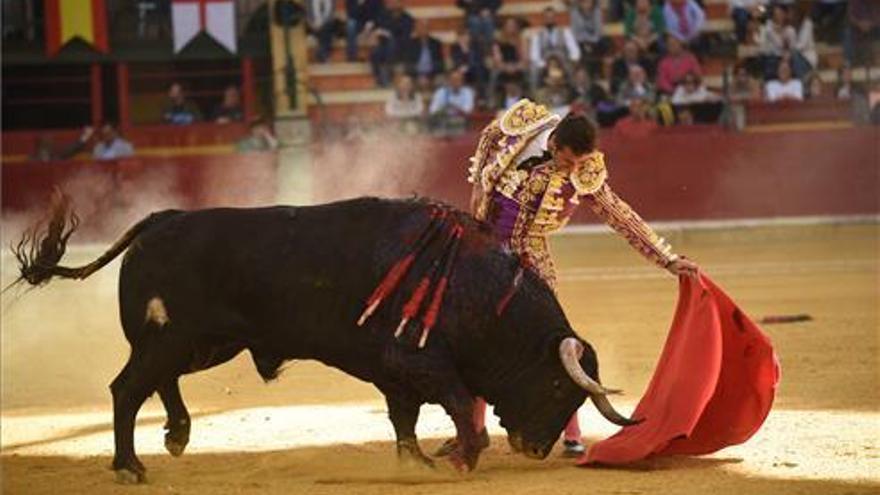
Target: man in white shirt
(451,104)
(551,39)
(111,146)
(785,88)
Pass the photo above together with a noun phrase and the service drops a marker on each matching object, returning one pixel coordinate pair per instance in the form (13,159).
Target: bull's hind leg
(154,362)
(404,414)
(177,426)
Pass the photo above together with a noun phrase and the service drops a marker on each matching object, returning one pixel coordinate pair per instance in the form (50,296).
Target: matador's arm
(625,221)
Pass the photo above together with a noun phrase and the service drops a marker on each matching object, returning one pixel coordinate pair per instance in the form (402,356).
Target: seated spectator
(814,88)
(551,39)
(636,87)
(743,11)
(393,30)
(259,138)
(685,117)
(508,56)
(778,40)
(480,19)
(451,104)
(230,108)
(555,93)
(804,43)
(630,56)
(684,19)
(692,90)
(862,29)
(361,19)
(321,23)
(785,87)
(829,17)
(111,145)
(673,67)
(466,54)
(644,25)
(586,26)
(743,86)
(404,103)
(846,87)
(587,92)
(513,92)
(45,150)
(423,53)
(639,123)
(179,110)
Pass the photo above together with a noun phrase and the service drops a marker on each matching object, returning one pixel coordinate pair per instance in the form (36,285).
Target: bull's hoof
(462,463)
(129,477)
(175,442)
(449,446)
(409,453)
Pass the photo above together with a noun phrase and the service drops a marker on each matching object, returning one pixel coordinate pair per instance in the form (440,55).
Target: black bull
(197,288)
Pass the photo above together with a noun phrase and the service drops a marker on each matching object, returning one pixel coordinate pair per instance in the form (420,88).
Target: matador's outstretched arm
(625,221)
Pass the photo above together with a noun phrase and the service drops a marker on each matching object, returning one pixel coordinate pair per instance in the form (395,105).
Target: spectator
(45,151)
(423,54)
(111,145)
(684,19)
(508,59)
(480,19)
(404,103)
(846,88)
(393,30)
(636,87)
(778,40)
(585,91)
(784,87)
(513,92)
(630,55)
(555,93)
(638,123)
(451,104)
(743,89)
(692,90)
(644,25)
(586,26)
(551,39)
(829,17)
(321,21)
(804,44)
(673,67)
(813,86)
(362,16)
(259,138)
(743,11)
(467,54)
(863,28)
(179,110)
(685,116)
(230,108)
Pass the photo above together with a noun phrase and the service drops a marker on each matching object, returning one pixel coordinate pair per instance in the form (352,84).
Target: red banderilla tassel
(514,285)
(433,312)
(399,269)
(412,306)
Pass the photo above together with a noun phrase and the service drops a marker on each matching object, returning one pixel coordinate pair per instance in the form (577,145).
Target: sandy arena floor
(318,431)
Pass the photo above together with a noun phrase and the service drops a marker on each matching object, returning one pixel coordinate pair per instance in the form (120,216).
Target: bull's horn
(570,350)
(609,413)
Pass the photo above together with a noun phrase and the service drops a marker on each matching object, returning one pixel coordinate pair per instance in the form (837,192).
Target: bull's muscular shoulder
(525,117)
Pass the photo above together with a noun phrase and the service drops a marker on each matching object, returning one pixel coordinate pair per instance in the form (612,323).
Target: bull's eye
(556,384)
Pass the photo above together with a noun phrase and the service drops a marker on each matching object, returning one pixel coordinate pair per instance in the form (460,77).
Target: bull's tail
(43,245)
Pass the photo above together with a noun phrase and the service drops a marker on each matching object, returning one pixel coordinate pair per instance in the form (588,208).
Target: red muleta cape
(712,388)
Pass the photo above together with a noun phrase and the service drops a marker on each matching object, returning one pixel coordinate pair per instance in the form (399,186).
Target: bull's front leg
(404,413)
(459,404)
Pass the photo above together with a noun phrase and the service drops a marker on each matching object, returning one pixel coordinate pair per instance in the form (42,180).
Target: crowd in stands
(653,76)
(179,110)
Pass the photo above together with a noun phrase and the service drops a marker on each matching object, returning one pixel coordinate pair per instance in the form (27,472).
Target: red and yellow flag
(68,19)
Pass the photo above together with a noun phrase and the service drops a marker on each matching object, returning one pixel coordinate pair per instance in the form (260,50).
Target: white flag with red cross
(190,17)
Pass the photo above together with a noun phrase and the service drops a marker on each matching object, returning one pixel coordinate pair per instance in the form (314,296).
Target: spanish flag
(68,19)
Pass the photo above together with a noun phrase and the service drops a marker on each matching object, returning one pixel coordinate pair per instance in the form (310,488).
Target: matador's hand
(683,266)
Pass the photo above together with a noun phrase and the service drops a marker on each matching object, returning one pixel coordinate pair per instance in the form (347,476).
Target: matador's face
(563,157)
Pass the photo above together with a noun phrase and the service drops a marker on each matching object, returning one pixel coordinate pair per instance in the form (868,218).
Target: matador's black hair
(577,132)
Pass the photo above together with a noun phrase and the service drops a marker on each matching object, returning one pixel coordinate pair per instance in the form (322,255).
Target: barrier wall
(677,174)
(682,174)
